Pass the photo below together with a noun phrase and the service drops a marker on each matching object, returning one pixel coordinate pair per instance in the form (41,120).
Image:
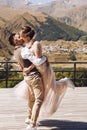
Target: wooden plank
(71,115)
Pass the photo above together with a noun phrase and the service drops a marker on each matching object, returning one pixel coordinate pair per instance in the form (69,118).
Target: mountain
(71,12)
(76,18)
(47,28)
(57,3)
(15,3)
(61,5)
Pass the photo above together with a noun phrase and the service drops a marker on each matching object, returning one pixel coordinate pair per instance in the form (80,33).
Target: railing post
(74,72)
(6,74)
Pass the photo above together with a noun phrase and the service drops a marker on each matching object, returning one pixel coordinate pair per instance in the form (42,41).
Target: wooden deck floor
(71,115)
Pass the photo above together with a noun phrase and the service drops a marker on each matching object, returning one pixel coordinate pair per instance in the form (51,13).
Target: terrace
(71,114)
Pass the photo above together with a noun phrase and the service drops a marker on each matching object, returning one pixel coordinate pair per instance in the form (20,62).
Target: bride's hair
(28,31)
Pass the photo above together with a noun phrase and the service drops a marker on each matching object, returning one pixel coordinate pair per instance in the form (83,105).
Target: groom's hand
(26,70)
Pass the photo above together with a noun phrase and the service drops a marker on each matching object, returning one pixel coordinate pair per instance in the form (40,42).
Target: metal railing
(6,70)
(65,64)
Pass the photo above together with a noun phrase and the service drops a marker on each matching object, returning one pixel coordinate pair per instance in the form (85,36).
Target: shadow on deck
(64,125)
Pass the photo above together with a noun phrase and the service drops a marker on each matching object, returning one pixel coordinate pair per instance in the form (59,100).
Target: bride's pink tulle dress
(54,90)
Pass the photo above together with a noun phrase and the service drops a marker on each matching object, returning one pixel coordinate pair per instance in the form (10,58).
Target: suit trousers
(36,95)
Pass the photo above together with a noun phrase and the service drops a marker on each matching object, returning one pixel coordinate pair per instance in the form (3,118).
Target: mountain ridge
(74,14)
(71,12)
(47,28)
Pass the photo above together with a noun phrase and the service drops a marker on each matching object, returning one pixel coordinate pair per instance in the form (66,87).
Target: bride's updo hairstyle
(27,31)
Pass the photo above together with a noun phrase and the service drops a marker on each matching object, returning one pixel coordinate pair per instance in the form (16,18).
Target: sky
(40,1)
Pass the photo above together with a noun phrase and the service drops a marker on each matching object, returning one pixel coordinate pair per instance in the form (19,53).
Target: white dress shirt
(27,54)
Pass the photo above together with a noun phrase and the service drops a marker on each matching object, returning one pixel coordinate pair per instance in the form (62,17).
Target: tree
(72,56)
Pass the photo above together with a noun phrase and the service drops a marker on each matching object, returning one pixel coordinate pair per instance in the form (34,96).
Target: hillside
(58,51)
(44,25)
(47,28)
(76,18)
(71,12)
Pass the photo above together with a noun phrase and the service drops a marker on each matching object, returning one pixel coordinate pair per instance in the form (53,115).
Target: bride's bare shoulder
(36,43)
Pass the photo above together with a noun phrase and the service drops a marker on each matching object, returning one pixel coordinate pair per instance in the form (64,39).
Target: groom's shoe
(27,121)
(31,128)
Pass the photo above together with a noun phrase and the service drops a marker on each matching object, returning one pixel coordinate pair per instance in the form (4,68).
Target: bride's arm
(37,48)
(36,58)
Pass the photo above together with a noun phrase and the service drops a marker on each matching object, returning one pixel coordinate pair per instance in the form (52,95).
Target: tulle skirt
(53,91)
(22,90)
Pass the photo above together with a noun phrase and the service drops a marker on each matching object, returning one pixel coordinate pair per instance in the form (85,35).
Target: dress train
(54,90)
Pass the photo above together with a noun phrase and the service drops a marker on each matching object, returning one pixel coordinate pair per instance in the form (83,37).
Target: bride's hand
(34,37)
(20,68)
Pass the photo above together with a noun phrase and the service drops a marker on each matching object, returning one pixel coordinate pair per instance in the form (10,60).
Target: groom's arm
(27,70)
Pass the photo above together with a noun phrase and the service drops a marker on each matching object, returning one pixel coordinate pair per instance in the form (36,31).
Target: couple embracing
(41,90)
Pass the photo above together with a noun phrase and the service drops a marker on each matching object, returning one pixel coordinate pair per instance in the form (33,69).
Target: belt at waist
(31,73)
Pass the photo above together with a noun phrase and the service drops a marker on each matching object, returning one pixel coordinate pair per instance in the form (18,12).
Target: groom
(33,79)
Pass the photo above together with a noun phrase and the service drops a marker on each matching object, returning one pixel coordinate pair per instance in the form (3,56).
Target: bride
(53,90)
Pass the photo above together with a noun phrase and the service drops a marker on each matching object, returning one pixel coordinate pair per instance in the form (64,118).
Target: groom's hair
(11,39)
